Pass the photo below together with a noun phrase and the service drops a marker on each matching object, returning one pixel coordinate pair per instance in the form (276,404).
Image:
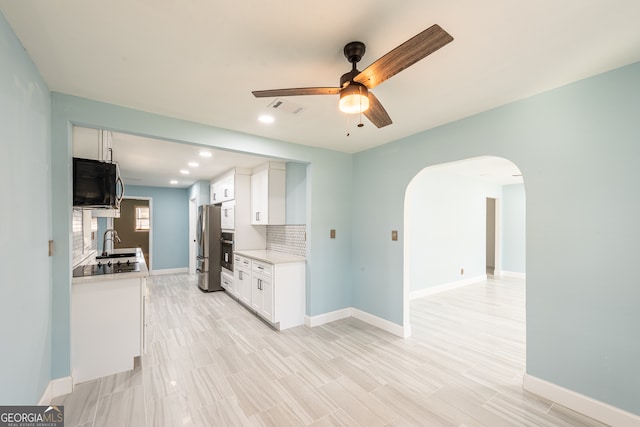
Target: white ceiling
(153,162)
(199,60)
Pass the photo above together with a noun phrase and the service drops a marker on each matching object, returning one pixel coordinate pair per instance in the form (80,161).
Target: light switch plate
(332,234)
(394,235)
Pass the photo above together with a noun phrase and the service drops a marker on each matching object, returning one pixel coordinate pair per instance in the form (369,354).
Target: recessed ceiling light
(193,164)
(184,172)
(173,182)
(205,154)
(266,118)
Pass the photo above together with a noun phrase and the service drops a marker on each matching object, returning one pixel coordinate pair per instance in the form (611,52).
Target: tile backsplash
(290,239)
(84,235)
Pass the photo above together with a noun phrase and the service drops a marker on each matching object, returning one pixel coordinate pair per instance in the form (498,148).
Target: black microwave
(95,184)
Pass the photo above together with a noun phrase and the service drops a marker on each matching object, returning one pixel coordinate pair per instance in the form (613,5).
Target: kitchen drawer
(226,281)
(262,268)
(242,262)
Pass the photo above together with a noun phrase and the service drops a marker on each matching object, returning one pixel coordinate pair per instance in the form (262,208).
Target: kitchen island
(107,315)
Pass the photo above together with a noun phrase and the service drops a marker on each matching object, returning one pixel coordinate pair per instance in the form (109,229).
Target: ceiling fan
(355,85)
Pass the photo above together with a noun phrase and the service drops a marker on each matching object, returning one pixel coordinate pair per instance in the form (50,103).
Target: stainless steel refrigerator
(209,256)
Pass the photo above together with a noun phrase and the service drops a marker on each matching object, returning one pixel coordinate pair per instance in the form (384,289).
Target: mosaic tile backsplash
(290,239)
(82,246)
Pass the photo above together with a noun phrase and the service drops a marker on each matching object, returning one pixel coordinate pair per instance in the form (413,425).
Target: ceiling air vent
(285,107)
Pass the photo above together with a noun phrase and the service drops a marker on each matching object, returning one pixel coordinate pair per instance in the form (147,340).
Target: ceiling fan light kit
(354,98)
(355,86)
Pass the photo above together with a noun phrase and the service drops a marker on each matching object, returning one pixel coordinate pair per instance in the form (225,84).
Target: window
(142,218)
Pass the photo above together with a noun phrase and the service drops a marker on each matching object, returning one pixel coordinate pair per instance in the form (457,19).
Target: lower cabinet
(242,278)
(227,282)
(275,292)
(108,318)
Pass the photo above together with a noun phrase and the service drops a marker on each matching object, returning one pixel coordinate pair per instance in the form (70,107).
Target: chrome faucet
(104,240)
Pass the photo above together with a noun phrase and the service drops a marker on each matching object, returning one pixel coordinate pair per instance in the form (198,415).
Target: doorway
(134,226)
(453,226)
(491,229)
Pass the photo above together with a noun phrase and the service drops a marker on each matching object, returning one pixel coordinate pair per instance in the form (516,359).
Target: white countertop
(144,271)
(270,257)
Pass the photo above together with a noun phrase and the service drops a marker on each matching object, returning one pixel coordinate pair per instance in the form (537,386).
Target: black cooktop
(106,268)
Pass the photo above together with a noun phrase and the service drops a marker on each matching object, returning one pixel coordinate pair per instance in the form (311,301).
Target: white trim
(332,316)
(446,287)
(55,388)
(588,406)
(169,271)
(378,322)
(504,273)
(385,325)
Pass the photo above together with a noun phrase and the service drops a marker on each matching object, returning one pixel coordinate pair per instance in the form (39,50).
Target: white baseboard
(378,322)
(321,319)
(446,287)
(595,409)
(169,271)
(506,273)
(55,388)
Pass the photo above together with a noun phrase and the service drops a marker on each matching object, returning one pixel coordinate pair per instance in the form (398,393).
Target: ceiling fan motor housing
(354,51)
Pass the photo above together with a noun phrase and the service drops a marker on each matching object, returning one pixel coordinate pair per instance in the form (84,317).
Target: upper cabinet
(268,189)
(223,188)
(89,143)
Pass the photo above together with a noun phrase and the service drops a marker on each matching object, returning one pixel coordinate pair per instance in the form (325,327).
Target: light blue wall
(25,188)
(169,223)
(446,228)
(513,237)
(201,192)
(578,149)
(328,200)
(296,210)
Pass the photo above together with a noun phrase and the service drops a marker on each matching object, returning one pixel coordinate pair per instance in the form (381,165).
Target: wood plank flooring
(209,362)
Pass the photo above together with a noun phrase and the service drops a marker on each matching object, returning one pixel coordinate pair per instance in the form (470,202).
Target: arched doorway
(445,222)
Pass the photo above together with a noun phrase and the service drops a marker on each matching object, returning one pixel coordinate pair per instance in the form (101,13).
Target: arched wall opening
(445,223)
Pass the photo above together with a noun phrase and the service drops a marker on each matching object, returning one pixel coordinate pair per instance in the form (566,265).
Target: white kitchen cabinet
(89,143)
(273,290)
(105,340)
(227,215)
(227,282)
(262,296)
(268,189)
(215,196)
(223,187)
(242,278)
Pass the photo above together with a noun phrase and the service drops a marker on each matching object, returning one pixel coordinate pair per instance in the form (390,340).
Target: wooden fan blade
(403,56)
(376,112)
(296,91)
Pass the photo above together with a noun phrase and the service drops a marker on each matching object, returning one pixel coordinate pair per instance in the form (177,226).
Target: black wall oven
(226,243)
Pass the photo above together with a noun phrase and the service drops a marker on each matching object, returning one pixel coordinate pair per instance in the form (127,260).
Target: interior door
(134,230)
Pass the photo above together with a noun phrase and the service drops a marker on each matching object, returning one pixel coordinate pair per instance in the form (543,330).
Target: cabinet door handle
(257,216)
(225,192)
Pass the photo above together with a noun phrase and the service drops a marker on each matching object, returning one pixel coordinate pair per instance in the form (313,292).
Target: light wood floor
(210,362)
